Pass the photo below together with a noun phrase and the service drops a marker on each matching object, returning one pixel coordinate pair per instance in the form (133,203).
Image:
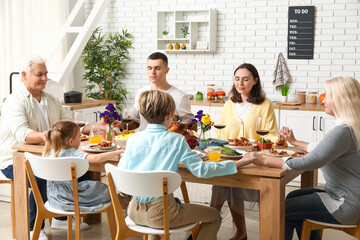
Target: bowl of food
(122,138)
(264,142)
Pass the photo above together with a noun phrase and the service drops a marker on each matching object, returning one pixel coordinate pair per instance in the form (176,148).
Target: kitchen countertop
(88,103)
(277,105)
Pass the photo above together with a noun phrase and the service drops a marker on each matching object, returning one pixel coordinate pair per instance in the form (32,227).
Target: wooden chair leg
(145,237)
(195,231)
(69,224)
(13,210)
(37,226)
(306,230)
(111,221)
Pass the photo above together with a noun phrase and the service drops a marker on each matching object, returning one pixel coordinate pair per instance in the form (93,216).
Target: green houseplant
(284,92)
(184,31)
(165,33)
(104,59)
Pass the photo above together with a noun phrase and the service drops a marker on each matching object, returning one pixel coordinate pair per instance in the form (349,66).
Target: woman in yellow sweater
(247,102)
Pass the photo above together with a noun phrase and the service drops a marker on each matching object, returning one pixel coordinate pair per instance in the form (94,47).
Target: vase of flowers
(204,123)
(109,116)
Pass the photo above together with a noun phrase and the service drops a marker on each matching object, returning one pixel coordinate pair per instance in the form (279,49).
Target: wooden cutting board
(289,103)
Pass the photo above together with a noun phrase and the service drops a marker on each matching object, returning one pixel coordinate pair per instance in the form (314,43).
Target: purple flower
(110,114)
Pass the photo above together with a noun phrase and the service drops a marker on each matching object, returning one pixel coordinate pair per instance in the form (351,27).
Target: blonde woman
(338,157)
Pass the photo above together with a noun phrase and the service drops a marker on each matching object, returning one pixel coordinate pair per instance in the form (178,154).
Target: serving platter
(234,157)
(244,148)
(88,148)
(289,153)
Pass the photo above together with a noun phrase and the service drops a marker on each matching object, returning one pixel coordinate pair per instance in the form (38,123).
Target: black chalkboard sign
(301,32)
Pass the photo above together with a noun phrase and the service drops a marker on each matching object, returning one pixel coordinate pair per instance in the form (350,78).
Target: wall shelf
(202,27)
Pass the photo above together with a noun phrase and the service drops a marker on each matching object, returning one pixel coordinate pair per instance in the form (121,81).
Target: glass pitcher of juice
(95,135)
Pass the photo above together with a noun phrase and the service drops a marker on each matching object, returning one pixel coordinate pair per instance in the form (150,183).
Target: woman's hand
(287,134)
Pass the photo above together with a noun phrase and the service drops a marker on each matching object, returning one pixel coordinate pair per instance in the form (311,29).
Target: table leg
(309,179)
(272,208)
(21,197)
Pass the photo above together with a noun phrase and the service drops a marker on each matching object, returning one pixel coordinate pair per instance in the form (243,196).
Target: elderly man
(25,117)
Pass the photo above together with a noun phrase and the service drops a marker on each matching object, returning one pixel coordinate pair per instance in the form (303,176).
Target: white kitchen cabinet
(202,26)
(308,126)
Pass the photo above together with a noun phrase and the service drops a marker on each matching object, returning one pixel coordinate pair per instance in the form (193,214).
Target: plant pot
(284,98)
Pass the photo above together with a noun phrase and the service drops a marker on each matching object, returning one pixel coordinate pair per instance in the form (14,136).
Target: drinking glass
(126,114)
(219,126)
(262,128)
(214,153)
(79,118)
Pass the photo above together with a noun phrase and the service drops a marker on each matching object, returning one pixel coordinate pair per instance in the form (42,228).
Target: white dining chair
(309,225)
(4,179)
(61,169)
(143,184)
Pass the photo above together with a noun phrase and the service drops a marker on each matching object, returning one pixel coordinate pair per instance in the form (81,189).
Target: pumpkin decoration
(322,98)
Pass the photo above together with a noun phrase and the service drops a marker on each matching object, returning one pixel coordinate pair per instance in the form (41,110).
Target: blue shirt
(158,149)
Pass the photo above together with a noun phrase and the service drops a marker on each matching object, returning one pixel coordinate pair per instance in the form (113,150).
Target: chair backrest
(143,183)
(56,169)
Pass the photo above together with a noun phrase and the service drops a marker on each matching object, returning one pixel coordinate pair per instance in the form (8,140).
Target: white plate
(289,152)
(244,148)
(232,157)
(200,154)
(84,137)
(87,148)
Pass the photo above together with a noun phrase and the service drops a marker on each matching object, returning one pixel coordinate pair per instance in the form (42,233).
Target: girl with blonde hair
(337,155)
(63,140)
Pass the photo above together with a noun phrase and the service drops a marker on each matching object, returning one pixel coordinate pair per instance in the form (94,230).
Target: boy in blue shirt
(158,149)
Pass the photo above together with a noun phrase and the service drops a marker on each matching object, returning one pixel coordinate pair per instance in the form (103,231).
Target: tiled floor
(101,231)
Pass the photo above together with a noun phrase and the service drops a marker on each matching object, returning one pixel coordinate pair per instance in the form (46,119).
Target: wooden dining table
(270,182)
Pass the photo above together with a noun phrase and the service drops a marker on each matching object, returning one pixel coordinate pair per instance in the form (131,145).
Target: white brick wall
(248,31)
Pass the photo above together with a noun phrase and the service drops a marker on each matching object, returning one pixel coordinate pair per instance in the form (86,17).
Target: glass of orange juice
(214,153)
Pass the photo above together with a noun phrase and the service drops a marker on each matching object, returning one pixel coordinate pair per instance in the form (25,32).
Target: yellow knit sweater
(235,128)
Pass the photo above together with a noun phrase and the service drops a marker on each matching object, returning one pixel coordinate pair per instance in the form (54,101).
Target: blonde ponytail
(57,137)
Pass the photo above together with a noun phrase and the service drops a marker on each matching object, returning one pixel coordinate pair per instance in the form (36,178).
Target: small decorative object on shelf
(184,31)
(170,47)
(183,47)
(204,123)
(165,33)
(284,92)
(177,46)
(110,115)
(199,96)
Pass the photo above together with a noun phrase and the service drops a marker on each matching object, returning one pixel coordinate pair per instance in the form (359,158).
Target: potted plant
(184,31)
(284,92)
(103,59)
(165,33)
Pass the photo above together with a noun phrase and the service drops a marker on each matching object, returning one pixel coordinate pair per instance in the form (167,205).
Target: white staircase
(61,74)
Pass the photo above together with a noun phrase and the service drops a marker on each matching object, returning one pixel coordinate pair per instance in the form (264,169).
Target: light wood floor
(101,231)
